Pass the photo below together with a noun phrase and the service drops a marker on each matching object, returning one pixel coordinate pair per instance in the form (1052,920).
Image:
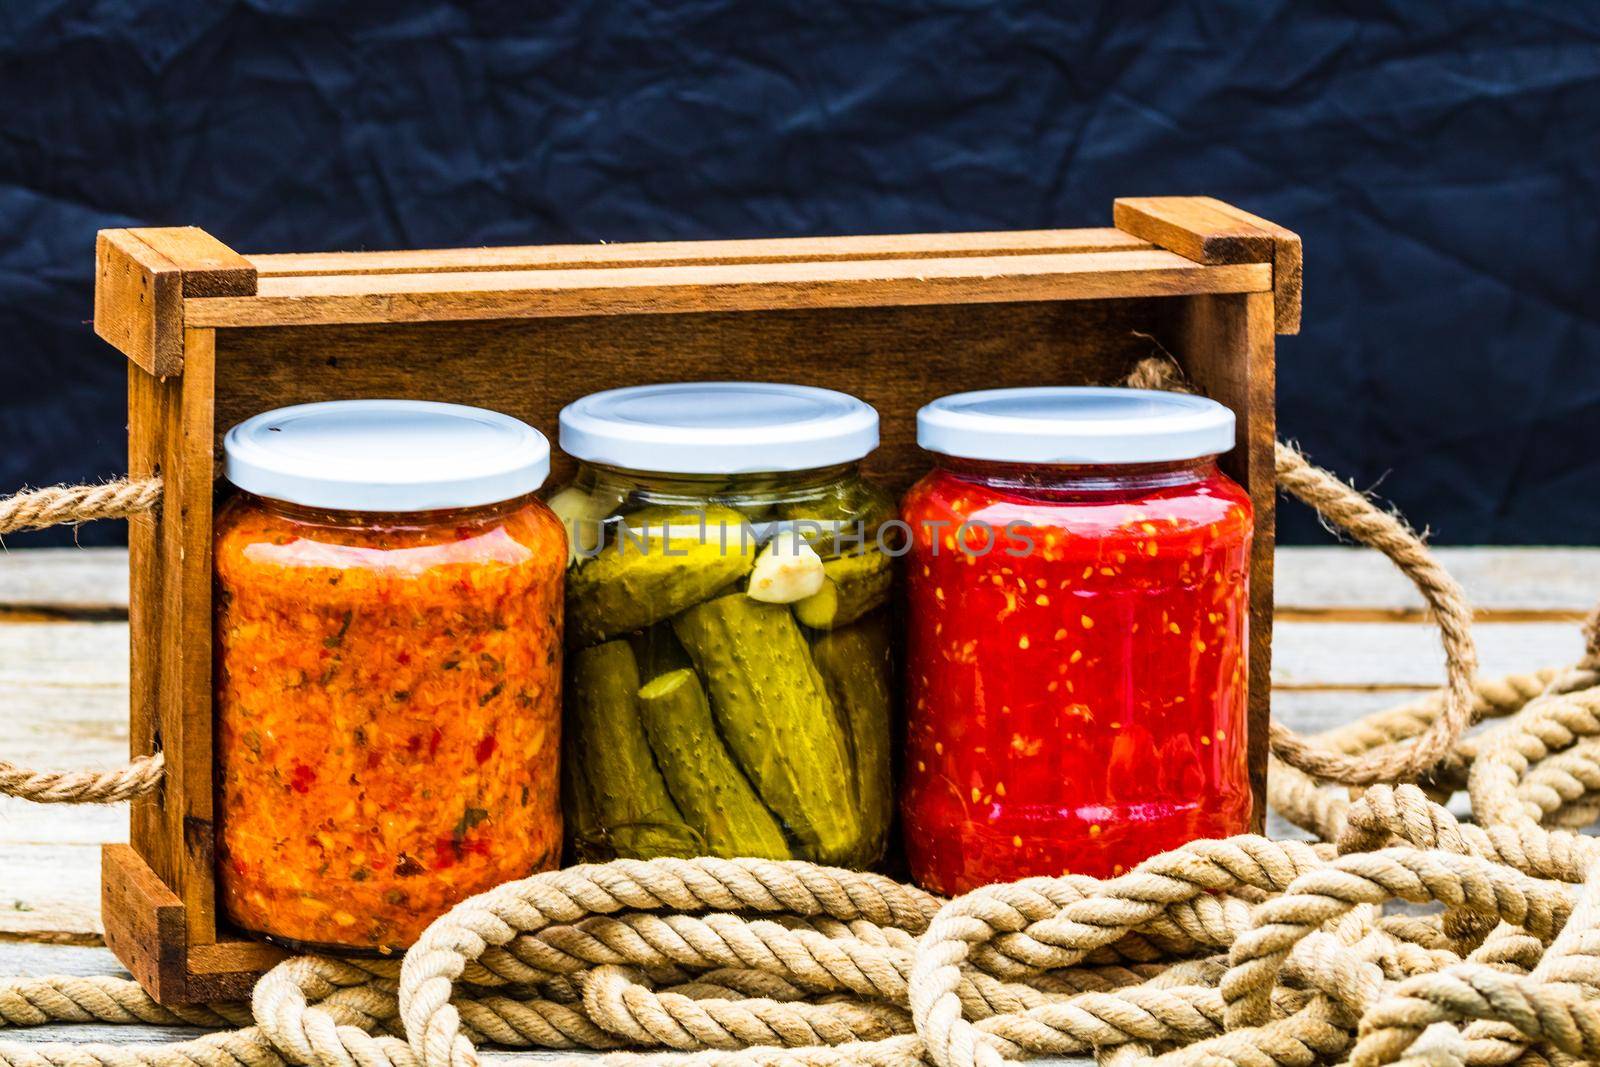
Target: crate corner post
(158,895)
(1226,344)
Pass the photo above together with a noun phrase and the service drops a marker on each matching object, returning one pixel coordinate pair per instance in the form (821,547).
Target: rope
(38,508)
(1246,951)
(140,776)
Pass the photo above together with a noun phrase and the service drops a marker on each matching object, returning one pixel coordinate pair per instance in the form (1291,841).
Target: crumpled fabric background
(1441,162)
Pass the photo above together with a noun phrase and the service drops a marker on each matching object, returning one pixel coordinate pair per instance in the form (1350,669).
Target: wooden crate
(212,337)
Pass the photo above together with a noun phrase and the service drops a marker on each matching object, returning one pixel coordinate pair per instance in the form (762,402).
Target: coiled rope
(1244,951)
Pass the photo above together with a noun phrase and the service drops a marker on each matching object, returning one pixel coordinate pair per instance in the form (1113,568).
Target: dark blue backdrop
(1440,160)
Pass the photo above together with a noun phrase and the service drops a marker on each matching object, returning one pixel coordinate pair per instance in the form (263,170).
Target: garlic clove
(786,570)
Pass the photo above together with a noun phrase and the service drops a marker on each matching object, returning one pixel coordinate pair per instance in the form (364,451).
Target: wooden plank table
(1351,639)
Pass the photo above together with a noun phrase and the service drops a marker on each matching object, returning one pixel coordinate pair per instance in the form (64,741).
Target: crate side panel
(342,299)
(895,358)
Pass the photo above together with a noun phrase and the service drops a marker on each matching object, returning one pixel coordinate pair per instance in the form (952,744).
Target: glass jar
(1078,606)
(388,634)
(727,597)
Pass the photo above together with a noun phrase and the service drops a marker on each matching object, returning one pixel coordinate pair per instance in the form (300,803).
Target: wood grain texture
(64,689)
(469,295)
(50,893)
(141,279)
(683,253)
(147,927)
(894,358)
(1226,346)
(1207,230)
(208,267)
(138,302)
(63,584)
(1288,265)
(170,430)
(1195,227)
(1502,584)
(1407,655)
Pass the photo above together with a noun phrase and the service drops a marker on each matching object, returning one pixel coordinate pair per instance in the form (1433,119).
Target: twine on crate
(35,509)
(1245,951)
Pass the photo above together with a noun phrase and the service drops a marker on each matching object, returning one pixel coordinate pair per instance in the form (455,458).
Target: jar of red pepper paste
(388,635)
(1078,604)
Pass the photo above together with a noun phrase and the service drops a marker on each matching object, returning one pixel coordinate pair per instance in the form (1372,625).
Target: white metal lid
(1065,424)
(718,428)
(385,455)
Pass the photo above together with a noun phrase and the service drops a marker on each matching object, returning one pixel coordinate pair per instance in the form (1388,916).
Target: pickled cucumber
(854,586)
(644,576)
(776,717)
(657,651)
(714,796)
(634,811)
(855,665)
(842,518)
(753,501)
(581,823)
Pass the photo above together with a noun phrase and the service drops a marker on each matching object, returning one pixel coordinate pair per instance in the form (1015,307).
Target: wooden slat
(1195,227)
(210,268)
(1504,584)
(1406,655)
(141,279)
(41,584)
(64,691)
(895,359)
(170,430)
(66,657)
(138,302)
(50,893)
(1288,265)
(461,295)
(1225,343)
(1207,230)
(684,253)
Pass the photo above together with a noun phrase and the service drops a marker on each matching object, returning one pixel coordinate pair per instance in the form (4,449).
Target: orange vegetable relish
(388,713)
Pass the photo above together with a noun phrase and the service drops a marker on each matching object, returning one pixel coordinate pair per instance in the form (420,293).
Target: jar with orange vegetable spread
(388,635)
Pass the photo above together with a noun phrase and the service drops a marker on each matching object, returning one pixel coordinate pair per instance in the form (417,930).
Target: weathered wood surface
(498,294)
(1350,639)
(688,253)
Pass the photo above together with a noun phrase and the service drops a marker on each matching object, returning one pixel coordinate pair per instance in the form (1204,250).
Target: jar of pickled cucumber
(728,585)
(388,654)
